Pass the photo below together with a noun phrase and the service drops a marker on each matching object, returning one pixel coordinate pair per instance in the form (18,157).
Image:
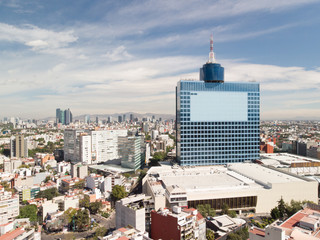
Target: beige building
(242,186)
(9,206)
(18,146)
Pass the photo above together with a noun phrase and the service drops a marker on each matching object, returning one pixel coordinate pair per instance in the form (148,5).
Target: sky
(101,57)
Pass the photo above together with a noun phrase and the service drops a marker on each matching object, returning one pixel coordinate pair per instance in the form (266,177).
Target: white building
(9,206)
(131,211)
(243,186)
(92,147)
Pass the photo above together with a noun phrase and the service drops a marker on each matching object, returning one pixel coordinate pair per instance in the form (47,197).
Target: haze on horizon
(103,57)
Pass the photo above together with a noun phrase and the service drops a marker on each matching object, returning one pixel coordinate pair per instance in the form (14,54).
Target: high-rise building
(124,117)
(109,119)
(18,146)
(87,119)
(63,116)
(119,119)
(217,122)
(130,152)
(91,147)
(131,117)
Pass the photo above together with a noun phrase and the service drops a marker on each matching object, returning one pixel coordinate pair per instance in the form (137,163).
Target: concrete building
(79,170)
(132,211)
(9,206)
(127,233)
(243,186)
(217,122)
(130,152)
(304,225)
(18,146)
(178,224)
(92,147)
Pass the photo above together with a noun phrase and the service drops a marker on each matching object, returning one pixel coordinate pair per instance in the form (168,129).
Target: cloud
(118,54)
(37,38)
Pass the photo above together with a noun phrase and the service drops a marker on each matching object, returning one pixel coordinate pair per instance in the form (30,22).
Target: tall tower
(217,122)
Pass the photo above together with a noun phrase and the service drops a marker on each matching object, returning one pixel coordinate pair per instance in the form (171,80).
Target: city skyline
(103,57)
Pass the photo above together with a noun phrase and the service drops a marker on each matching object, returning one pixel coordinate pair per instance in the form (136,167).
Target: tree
(95,207)
(275,214)
(281,207)
(48,193)
(209,234)
(29,211)
(79,185)
(85,202)
(47,179)
(232,214)
(206,210)
(118,192)
(225,209)
(100,232)
(82,220)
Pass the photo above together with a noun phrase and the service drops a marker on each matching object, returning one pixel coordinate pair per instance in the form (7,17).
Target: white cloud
(35,37)
(118,54)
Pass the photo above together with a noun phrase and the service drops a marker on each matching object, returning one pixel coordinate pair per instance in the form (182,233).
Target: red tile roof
(292,221)
(12,235)
(258,232)
(122,229)
(123,238)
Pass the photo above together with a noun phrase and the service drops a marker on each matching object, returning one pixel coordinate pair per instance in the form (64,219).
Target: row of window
(219,154)
(244,123)
(221,132)
(221,158)
(222,140)
(236,145)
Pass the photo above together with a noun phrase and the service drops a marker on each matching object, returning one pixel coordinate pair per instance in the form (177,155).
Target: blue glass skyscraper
(217,122)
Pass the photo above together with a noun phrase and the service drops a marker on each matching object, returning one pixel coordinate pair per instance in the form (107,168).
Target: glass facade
(217,122)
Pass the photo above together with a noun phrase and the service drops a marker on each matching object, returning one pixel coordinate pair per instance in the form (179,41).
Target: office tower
(97,120)
(109,119)
(124,118)
(87,119)
(119,119)
(63,116)
(130,152)
(131,117)
(18,146)
(217,122)
(67,117)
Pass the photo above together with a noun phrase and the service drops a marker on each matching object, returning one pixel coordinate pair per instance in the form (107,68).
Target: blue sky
(100,57)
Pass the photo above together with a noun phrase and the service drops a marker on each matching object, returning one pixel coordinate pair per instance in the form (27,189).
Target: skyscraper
(63,116)
(18,146)
(217,122)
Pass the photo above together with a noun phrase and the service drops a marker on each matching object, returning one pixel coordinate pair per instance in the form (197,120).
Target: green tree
(281,207)
(85,202)
(275,213)
(225,209)
(118,192)
(95,207)
(209,234)
(100,232)
(79,185)
(232,214)
(82,220)
(206,210)
(48,193)
(29,211)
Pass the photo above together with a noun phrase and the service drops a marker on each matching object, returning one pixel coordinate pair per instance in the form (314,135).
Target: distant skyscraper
(109,119)
(119,119)
(97,120)
(124,117)
(131,117)
(217,122)
(63,116)
(87,119)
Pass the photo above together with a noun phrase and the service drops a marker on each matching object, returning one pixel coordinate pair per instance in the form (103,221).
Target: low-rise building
(9,206)
(304,225)
(178,224)
(132,211)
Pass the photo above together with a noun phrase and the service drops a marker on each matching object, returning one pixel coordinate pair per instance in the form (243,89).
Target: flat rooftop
(204,179)
(111,168)
(284,158)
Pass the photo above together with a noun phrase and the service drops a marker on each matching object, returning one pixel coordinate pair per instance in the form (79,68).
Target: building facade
(130,152)
(19,146)
(217,122)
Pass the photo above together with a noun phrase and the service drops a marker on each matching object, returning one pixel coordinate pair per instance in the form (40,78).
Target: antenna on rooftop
(211,54)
